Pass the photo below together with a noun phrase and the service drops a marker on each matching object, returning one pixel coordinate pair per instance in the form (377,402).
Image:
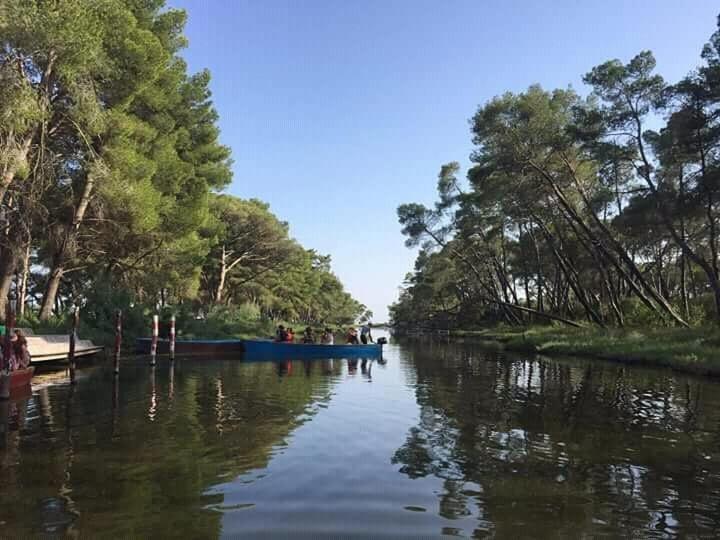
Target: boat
(252,349)
(261,349)
(14,381)
(21,377)
(189,347)
(56,347)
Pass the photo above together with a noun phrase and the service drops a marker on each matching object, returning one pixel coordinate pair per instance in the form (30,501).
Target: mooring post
(154,342)
(171,345)
(118,340)
(73,337)
(171,381)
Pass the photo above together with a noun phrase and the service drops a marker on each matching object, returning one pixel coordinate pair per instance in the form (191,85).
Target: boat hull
(190,347)
(261,349)
(252,349)
(15,381)
(21,377)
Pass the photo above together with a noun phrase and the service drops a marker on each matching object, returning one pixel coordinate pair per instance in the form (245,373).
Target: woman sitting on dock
(18,356)
(20,350)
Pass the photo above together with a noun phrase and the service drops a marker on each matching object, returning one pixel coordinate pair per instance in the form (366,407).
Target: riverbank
(695,350)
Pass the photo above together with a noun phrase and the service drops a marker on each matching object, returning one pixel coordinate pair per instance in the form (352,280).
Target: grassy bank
(695,350)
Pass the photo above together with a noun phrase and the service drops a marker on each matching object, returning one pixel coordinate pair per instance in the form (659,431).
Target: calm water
(439,440)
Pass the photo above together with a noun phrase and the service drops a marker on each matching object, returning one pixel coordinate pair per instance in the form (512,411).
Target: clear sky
(337,111)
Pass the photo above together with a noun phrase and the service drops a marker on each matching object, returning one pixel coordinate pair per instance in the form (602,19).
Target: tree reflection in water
(528,444)
(135,455)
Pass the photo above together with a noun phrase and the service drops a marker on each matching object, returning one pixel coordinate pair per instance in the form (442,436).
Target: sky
(338,111)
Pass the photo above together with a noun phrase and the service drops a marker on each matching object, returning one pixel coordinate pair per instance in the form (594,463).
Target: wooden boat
(188,347)
(259,349)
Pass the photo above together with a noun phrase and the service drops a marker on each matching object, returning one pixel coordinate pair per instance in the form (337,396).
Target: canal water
(437,439)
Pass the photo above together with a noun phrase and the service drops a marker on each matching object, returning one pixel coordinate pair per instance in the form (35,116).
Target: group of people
(17,352)
(286,335)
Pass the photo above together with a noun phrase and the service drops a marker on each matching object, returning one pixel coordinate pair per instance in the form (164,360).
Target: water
(439,440)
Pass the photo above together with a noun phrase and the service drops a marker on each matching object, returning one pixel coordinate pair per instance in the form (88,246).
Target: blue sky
(337,111)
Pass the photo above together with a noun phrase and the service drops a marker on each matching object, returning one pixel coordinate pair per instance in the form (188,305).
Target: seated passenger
(289,336)
(308,336)
(327,337)
(352,337)
(281,334)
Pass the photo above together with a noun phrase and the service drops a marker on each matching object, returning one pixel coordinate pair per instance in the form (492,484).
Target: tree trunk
(63,250)
(51,291)
(23,282)
(7,271)
(221,277)
(639,288)
(571,275)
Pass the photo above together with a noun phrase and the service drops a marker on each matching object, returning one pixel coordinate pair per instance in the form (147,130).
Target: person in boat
(281,334)
(289,336)
(327,337)
(20,350)
(308,336)
(352,337)
(365,334)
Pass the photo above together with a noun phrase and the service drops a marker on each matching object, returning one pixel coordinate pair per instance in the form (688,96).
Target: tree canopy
(110,169)
(575,210)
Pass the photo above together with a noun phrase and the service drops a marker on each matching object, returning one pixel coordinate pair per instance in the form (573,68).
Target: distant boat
(259,349)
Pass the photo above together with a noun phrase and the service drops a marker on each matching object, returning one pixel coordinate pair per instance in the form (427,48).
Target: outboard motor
(382,341)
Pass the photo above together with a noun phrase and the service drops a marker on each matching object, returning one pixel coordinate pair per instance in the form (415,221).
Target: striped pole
(73,337)
(172,338)
(154,343)
(118,340)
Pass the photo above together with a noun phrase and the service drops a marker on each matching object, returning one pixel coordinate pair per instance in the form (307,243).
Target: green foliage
(574,211)
(242,321)
(111,162)
(691,351)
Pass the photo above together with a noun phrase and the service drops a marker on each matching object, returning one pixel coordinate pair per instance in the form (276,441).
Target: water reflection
(123,461)
(447,439)
(538,447)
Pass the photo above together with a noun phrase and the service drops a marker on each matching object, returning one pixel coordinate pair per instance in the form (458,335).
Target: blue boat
(260,349)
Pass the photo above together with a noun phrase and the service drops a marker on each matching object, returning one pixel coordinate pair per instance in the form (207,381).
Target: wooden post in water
(118,340)
(73,337)
(171,345)
(154,342)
